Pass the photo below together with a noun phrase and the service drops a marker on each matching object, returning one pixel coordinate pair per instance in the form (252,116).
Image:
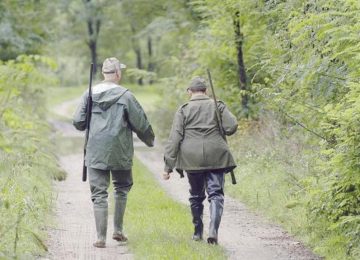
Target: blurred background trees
(288,69)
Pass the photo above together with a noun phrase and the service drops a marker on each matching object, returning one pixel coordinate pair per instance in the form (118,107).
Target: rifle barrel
(218,117)
(88,118)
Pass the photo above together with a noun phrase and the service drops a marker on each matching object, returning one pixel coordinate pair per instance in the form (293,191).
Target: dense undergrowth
(27,162)
(278,175)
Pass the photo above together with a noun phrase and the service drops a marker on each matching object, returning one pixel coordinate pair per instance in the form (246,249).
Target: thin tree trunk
(139,62)
(241,67)
(93,25)
(137,50)
(151,65)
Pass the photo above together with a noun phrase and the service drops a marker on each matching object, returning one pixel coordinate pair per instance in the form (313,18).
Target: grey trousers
(99,183)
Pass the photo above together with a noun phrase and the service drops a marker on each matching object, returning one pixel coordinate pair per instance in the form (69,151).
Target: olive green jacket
(115,115)
(195,142)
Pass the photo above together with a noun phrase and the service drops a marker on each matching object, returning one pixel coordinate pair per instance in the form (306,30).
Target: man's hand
(166,175)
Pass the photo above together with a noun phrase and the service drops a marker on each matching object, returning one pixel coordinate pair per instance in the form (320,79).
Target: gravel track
(243,234)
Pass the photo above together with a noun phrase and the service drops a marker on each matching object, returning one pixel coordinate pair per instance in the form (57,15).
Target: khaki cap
(111,65)
(197,84)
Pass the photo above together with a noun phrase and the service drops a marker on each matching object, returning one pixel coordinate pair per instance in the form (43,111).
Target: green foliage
(277,175)
(27,162)
(302,66)
(324,72)
(136,74)
(339,203)
(128,29)
(23,27)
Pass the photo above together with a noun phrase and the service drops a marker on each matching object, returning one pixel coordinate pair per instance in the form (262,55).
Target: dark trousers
(210,181)
(213,183)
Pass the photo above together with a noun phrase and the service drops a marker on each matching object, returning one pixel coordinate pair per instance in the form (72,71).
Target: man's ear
(118,74)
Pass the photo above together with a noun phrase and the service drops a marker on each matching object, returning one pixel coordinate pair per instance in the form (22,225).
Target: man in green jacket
(115,115)
(196,146)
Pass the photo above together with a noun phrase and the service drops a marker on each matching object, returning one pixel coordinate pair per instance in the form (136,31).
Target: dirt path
(74,232)
(243,234)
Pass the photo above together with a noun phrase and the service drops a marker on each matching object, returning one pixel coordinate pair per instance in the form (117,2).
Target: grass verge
(158,227)
(148,96)
(277,176)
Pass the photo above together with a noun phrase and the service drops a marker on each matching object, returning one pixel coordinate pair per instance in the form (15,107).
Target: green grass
(57,95)
(276,176)
(148,95)
(157,226)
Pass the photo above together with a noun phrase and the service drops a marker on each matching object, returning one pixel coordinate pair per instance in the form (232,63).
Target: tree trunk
(241,67)
(137,50)
(93,25)
(151,65)
(139,62)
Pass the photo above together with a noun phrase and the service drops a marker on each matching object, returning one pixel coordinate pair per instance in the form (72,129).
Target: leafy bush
(27,160)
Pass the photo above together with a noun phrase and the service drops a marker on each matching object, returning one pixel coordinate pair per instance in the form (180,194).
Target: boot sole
(120,240)
(98,245)
(212,241)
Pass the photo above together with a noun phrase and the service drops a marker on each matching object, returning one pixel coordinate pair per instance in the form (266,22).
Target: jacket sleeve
(138,121)
(229,122)
(79,118)
(172,146)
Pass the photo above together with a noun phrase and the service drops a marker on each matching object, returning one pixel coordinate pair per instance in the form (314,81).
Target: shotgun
(88,118)
(219,122)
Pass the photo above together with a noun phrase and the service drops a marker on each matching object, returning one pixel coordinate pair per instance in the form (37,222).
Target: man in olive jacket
(115,115)
(196,146)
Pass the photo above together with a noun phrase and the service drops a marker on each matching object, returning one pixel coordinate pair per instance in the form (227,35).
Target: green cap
(197,84)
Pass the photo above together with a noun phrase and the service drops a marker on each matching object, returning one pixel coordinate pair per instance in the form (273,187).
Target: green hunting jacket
(115,115)
(195,142)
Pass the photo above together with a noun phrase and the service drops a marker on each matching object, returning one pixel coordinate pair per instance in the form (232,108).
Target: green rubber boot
(120,206)
(101,220)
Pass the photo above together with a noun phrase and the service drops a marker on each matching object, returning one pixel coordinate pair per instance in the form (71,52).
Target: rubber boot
(120,206)
(101,220)
(197,214)
(216,210)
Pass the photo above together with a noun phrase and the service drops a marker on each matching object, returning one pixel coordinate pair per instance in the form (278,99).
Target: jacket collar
(199,97)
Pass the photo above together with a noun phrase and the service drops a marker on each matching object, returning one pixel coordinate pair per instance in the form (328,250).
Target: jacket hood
(106,94)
